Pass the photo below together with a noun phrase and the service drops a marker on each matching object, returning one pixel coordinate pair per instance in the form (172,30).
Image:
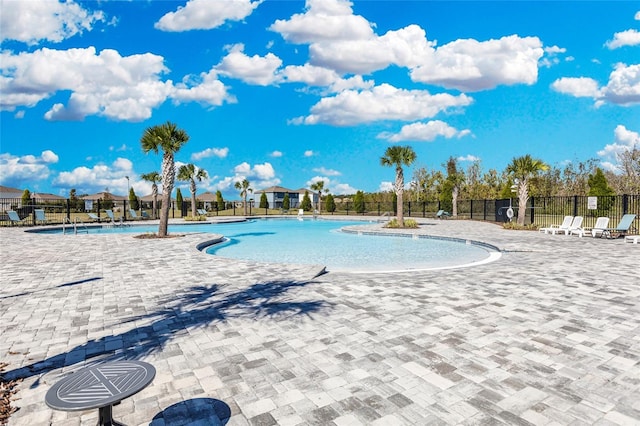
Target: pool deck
(549,334)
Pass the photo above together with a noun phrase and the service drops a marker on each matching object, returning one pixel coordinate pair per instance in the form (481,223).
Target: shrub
(408,223)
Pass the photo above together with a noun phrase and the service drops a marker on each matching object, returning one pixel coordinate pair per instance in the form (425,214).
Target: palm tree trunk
(168,179)
(399,187)
(244,203)
(454,201)
(154,205)
(523,197)
(193,198)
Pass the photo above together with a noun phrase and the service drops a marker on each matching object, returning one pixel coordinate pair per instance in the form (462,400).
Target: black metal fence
(540,211)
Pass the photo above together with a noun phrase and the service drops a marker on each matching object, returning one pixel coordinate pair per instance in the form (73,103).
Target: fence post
(484,209)
(68,209)
(471,210)
(409,209)
(575,205)
(378,208)
(533,203)
(625,204)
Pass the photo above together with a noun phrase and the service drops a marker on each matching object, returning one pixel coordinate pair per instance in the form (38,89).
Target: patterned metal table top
(100,385)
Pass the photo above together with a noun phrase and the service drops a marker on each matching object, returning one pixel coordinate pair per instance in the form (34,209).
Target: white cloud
(260,70)
(99,177)
(276,154)
(308,153)
(386,186)
(205,89)
(472,65)
(383,102)
(105,84)
(327,172)
(334,186)
(50,20)
(578,87)
(324,20)
(623,87)
(206,14)
(624,140)
(323,77)
(624,38)
(210,152)
(637,16)
(405,47)
(16,171)
(346,43)
(260,176)
(425,132)
(469,158)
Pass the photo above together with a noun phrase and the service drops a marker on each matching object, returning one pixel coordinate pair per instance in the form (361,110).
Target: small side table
(100,386)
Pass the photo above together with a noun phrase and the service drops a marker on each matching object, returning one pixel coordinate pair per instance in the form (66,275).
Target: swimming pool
(320,242)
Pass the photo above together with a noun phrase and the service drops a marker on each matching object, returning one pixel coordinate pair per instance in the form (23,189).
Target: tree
(219,200)
(358,202)
(107,201)
(286,202)
(318,186)
(133,199)
(169,139)
(397,156)
(330,204)
(523,169)
(179,199)
(306,202)
(190,173)
(244,188)
(26,198)
(264,203)
(598,185)
(451,186)
(154,178)
(74,201)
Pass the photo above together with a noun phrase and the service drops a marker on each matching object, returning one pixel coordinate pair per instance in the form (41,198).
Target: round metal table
(100,386)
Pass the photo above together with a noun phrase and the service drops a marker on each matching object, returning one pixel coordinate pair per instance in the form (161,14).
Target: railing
(540,211)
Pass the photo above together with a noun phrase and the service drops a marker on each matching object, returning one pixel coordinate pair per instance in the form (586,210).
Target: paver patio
(547,334)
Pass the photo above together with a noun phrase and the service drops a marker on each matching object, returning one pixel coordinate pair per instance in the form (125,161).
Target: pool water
(320,242)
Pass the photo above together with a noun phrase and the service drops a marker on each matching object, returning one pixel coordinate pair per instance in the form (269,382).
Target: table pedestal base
(105,417)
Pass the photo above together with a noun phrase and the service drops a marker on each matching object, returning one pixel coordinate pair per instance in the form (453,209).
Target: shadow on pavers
(196,411)
(195,306)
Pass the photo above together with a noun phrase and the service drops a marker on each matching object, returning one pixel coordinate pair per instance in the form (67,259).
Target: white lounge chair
(632,239)
(576,224)
(597,229)
(300,214)
(94,217)
(553,229)
(110,215)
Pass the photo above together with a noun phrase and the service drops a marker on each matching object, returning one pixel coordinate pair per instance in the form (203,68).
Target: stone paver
(547,334)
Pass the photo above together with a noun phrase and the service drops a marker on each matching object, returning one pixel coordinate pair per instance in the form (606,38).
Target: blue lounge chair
(623,227)
(202,212)
(110,215)
(94,217)
(40,216)
(441,214)
(133,214)
(13,217)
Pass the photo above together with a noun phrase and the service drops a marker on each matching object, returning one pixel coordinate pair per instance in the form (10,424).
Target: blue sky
(288,93)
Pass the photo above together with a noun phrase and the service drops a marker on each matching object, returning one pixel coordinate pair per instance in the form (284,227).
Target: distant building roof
(8,190)
(275,189)
(45,196)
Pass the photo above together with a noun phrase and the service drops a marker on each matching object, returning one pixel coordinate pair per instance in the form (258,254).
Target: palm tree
(523,169)
(168,138)
(318,186)
(244,188)
(189,173)
(154,178)
(398,156)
